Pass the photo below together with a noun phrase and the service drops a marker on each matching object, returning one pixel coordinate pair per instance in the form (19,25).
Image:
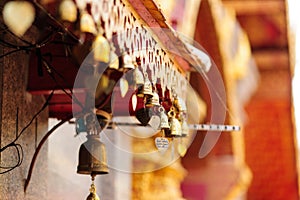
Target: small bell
(184,128)
(128,62)
(113,61)
(146,89)
(93,195)
(164,121)
(68,11)
(179,104)
(92,157)
(138,77)
(87,23)
(144,115)
(101,50)
(175,126)
(153,101)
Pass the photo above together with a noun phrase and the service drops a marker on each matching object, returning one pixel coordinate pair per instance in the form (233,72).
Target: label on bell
(161,143)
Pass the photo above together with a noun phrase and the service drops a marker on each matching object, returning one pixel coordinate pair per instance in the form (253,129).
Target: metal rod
(214,127)
(43,140)
(199,127)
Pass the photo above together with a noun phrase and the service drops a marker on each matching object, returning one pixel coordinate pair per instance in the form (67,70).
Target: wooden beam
(150,15)
(250,7)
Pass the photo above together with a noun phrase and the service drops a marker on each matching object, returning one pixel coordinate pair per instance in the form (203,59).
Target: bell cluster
(170,108)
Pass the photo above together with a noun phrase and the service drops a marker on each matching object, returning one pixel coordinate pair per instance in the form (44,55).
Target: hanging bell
(102,51)
(93,195)
(128,62)
(113,61)
(153,101)
(184,128)
(146,89)
(175,126)
(87,23)
(68,11)
(179,104)
(164,121)
(92,157)
(138,77)
(144,115)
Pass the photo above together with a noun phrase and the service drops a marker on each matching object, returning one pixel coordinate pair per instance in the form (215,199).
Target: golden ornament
(18,16)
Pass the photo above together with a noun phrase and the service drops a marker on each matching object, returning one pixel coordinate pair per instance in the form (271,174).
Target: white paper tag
(161,143)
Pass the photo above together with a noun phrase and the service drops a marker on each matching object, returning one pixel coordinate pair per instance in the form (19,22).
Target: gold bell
(102,49)
(153,101)
(184,128)
(175,126)
(144,115)
(113,61)
(164,121)
(68,11)
(179,104)
(146,89)
(138,77)
(128,62)
(92,157)
(93,195)
(87,23)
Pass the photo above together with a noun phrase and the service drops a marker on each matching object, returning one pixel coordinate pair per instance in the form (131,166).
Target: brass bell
(128,62)
(179,104)
(93,195)
(175,126)
(144,115)
(87,23)
(146,89)
(102,50)
(92,157)
(153,101)
(68,11)
(138,77)
(184,128)
(164,121)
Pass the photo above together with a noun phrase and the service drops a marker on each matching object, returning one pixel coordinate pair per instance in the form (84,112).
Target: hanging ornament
(93,195)
(138,77)
(18,16)
(104,86)
(134,102)
(87,23)
(164,121)
(175,126)
(162,143)
(123,87)
(153,101)
(128,62)
(184,128)
(146,90)
(81,4)
(179,104)
(142,113)
(68,11)
(113,60)
(101,50)
(181,149)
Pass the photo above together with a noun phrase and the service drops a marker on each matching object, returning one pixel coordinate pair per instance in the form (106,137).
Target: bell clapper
(93,195)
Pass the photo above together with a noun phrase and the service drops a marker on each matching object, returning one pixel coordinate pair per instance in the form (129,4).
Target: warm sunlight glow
(294,13)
